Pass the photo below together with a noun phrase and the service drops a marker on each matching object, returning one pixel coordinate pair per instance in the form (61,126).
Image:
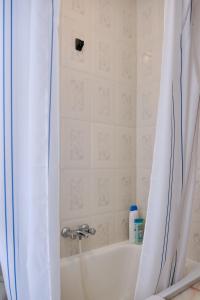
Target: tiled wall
(100,124)
(149,49)
(98,118)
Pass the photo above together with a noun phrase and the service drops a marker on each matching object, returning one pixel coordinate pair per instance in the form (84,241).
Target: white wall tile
(103,101)
(104,225)
(121,226)
(75,194)
(125,189)
(104,57)
(126,61)
(145,146)
(145,15)
(68,247)
(75,94)
(75,144)
(103,146)
(126,19)
(125,147)
(147,108)
(80,10)
(103,187)
(126,105)
(105,17)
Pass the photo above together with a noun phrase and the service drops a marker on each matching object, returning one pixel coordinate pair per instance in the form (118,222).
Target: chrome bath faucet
(82,232)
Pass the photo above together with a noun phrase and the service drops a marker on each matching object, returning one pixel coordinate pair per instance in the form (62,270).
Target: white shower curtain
(29,215)
(175,152)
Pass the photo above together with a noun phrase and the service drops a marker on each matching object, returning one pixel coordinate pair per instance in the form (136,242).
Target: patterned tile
(75,94)
(121,226)
(125,189)
(126,105)
(104,225)
(105,17)
(104,58)
(75,194)
(125,147)
(103,190)
(77,9)
(103,101)
(145,146)
(103,143)
(75,144)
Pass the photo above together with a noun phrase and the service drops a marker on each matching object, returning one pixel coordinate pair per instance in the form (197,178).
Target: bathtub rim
(99,250)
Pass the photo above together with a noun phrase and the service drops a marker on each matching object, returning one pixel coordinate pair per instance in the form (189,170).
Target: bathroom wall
(150,15)
(109,97)
(149,50)
(98,119)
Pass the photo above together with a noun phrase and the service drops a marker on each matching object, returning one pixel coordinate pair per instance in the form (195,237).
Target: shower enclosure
(109,96)
(81,107)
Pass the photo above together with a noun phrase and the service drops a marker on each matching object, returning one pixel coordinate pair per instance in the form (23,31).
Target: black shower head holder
(79,44)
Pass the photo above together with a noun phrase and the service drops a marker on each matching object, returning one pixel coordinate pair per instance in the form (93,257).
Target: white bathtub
(109,273)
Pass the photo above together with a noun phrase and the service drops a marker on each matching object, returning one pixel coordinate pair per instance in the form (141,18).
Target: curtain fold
(175,153)
(29,152)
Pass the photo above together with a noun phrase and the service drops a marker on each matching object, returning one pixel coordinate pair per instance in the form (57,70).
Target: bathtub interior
(108,273)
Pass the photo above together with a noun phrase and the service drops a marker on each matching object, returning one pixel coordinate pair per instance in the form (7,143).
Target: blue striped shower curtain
(175,152)
(29,215)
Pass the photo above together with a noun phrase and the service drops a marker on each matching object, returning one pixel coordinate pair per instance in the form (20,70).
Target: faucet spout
(81,234)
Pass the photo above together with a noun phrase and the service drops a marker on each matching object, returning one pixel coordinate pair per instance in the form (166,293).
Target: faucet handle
(84,227)
(92,231)
(66,232)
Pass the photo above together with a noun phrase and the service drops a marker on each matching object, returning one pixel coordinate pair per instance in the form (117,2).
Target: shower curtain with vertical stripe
(175,152)
(29,215)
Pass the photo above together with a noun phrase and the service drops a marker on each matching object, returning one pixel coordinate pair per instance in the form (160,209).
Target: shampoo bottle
(133,214)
